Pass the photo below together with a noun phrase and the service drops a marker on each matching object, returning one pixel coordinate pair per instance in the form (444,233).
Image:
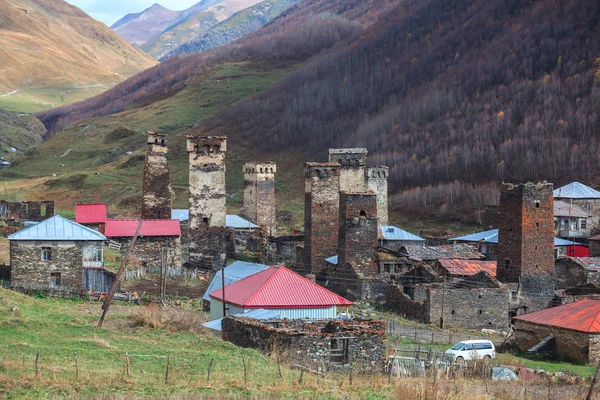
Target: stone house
(575,328)
(234,272)
(159,239)
(576,271)
(334,345)
(58,253)
(570,221)
(458,269)
(26,210)
(486,242)
(279,289)
(393,238)
(584,197)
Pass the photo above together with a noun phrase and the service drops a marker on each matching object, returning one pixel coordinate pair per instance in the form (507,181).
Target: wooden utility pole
(443,301)
(113,288)
(591,391)
(223,288)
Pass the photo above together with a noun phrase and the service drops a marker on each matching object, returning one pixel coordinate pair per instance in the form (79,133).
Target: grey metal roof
(564,209)
(256,313)
(237,222)
(490,236)
(332,260)
(57,228)
(390,232)
(576,190)
(180,214)
(234,272)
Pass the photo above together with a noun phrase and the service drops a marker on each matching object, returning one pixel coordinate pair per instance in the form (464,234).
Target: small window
(452,312)
(363,214)
(583,224)
(54,280)
(46,254)
(43,210)
(537,204)
(480,295)
(480,312)
(338,352)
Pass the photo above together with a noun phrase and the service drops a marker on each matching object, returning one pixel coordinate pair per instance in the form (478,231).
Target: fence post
(209,369)
(37,359)
(127,365)
(350,376)
(76,366)
(245,374)
(167,371)
(301,375)
(431,337)
(279,368)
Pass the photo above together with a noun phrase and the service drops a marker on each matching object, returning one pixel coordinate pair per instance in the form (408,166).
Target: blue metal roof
(576,190)
(237,222)
(564,242)
(332,260)
(180,214)
(490,236)
(256,313)
(234,272)
(57,228)
(390,232)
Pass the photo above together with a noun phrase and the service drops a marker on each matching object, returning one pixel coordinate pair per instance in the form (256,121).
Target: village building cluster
(544,255)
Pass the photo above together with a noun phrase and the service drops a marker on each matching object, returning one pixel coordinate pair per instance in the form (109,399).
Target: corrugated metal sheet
(564,242)
(90,213)
(308,313)
(98,280)
(237,222)
(278,287)
(490,236)
(468,267)
(256,313)
(238,270)
(151,227)
(180,214)
(564,209)
(390,232)
(332,260)
(57,228)
(576,190)
(583,316)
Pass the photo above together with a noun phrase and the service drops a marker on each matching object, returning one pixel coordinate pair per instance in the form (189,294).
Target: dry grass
(169,318)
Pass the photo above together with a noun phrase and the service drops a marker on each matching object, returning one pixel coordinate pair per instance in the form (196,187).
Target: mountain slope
(193,25)
(234,27)
(20,131)
(52,52)
(140,27)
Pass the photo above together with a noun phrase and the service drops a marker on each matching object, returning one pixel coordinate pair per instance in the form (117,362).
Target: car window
(458,346)
(468,347)
(483,346)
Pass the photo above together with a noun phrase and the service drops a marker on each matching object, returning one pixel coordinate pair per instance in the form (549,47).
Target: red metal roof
(468,267)
(583,316)
(90,213)
(151,227)
(278,287)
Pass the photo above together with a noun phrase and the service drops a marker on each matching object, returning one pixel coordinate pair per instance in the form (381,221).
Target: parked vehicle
(471,350)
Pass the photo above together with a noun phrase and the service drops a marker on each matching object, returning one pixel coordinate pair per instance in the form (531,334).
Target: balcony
(569,233)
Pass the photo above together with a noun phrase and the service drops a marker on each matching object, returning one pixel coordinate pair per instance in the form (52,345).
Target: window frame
(46,254)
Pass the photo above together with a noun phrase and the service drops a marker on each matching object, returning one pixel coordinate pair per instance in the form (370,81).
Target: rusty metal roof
(468,267)
(278,287)
(582,316)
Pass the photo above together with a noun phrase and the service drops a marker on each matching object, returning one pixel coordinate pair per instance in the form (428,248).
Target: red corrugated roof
(583,316)
(90,213)
(278,287)
(468,267)
(151,227)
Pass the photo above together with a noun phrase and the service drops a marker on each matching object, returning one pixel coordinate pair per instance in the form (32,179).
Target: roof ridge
(261,288)
(317,285)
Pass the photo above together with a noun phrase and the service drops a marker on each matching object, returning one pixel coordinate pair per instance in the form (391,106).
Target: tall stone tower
(352,173)
(526,241)
(207,198)
(156,190)
(377,181)
(321,207)
(259,195)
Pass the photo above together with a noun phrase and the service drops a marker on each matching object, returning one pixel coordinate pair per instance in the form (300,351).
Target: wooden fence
(142,272)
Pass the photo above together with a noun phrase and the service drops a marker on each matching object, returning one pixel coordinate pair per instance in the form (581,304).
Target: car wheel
(459,360)
(487,359)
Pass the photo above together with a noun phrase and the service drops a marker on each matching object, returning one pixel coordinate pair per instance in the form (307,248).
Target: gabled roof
(237,222)
(490,236)
(468,267)
(278,287)
(90,213)
(332,260)
(151,227)
(564,209)
(576,190)
(583,316)
(234,272)
(390,232)
(57,228)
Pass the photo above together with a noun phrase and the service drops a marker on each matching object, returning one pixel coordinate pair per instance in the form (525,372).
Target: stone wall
(156,187)
(310,343)
(27,267)
(27,210)
(259,195)
(148,249)
(208,233)
(475,308)
(568,345)
(526,241)
(569,273)
(281,250)
(377,182)
(321,210)
(592,206)
(352,173)
(402,304)
(594,248)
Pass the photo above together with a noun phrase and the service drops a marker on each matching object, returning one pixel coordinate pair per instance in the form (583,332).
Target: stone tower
(526,241)
(259,195)
(377,181)
(352,174)
(357,244)
(321,207)
(156,190)
(207,198)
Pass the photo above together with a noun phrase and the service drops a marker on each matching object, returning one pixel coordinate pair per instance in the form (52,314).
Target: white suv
(471,350)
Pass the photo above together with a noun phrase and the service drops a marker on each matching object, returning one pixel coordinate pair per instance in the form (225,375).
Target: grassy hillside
(20,131)
(192,26)
(234,27)
(52,53)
